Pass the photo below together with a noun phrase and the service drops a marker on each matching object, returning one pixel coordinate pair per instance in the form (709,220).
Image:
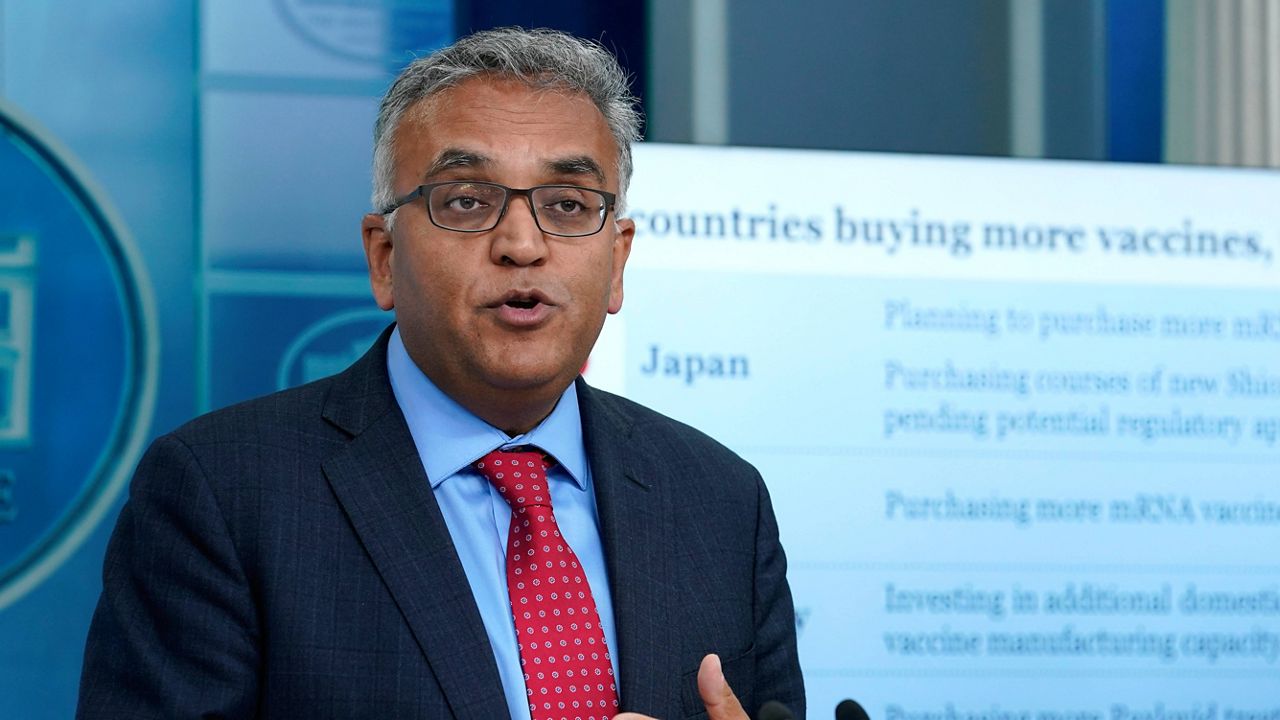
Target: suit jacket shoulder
(285,557)
(664,437)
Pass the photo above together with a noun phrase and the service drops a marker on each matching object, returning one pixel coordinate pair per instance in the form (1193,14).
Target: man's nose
(517,239)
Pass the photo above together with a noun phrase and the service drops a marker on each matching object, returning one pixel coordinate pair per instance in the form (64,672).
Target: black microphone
(774,710)
(851,710)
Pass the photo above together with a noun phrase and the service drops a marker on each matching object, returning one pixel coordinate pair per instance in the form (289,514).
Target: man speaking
(457,526)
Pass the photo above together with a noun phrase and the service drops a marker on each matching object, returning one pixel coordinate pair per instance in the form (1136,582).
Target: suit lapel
(634,528)
(379,481)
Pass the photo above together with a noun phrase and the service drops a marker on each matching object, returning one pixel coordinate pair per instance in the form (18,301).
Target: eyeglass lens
(474,207)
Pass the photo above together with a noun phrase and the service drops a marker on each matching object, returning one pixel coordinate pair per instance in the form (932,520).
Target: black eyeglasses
(562,210)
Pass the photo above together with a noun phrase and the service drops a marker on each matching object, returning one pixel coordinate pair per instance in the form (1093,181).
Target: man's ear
(626,230)
(378,254)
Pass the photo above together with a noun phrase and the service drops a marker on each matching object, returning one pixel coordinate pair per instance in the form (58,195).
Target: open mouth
(523,299)
(524,308)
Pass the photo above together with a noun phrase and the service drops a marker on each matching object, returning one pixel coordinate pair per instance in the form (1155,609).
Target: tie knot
(519,475)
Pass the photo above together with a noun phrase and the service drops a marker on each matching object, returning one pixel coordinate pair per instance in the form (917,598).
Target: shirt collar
(449,437)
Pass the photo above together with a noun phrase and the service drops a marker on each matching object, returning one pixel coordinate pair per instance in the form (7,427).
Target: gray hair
(541,58)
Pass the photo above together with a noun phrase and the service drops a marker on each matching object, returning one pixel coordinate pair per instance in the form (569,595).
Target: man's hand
(716,694)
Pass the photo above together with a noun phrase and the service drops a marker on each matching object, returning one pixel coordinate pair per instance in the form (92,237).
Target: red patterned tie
(567,673)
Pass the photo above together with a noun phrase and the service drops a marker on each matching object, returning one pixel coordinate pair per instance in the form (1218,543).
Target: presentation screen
(1020,420)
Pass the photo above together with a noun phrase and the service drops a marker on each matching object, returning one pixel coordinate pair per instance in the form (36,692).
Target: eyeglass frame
(424,192)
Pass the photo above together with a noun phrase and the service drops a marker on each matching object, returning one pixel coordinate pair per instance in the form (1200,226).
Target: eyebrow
(454,158)
(458,158)
(579,165)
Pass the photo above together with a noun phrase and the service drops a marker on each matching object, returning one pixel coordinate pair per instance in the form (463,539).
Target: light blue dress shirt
(449,440)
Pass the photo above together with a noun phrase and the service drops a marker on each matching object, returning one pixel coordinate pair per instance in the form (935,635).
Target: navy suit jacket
(286,558)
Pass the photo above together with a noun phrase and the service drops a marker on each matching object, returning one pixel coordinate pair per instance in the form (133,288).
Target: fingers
(716,694)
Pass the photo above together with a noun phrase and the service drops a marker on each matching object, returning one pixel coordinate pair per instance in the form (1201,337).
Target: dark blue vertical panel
(618,25)
(1075,72)
(883,75)
(1135,80)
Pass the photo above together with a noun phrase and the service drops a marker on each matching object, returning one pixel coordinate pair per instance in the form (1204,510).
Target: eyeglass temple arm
(395,205)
